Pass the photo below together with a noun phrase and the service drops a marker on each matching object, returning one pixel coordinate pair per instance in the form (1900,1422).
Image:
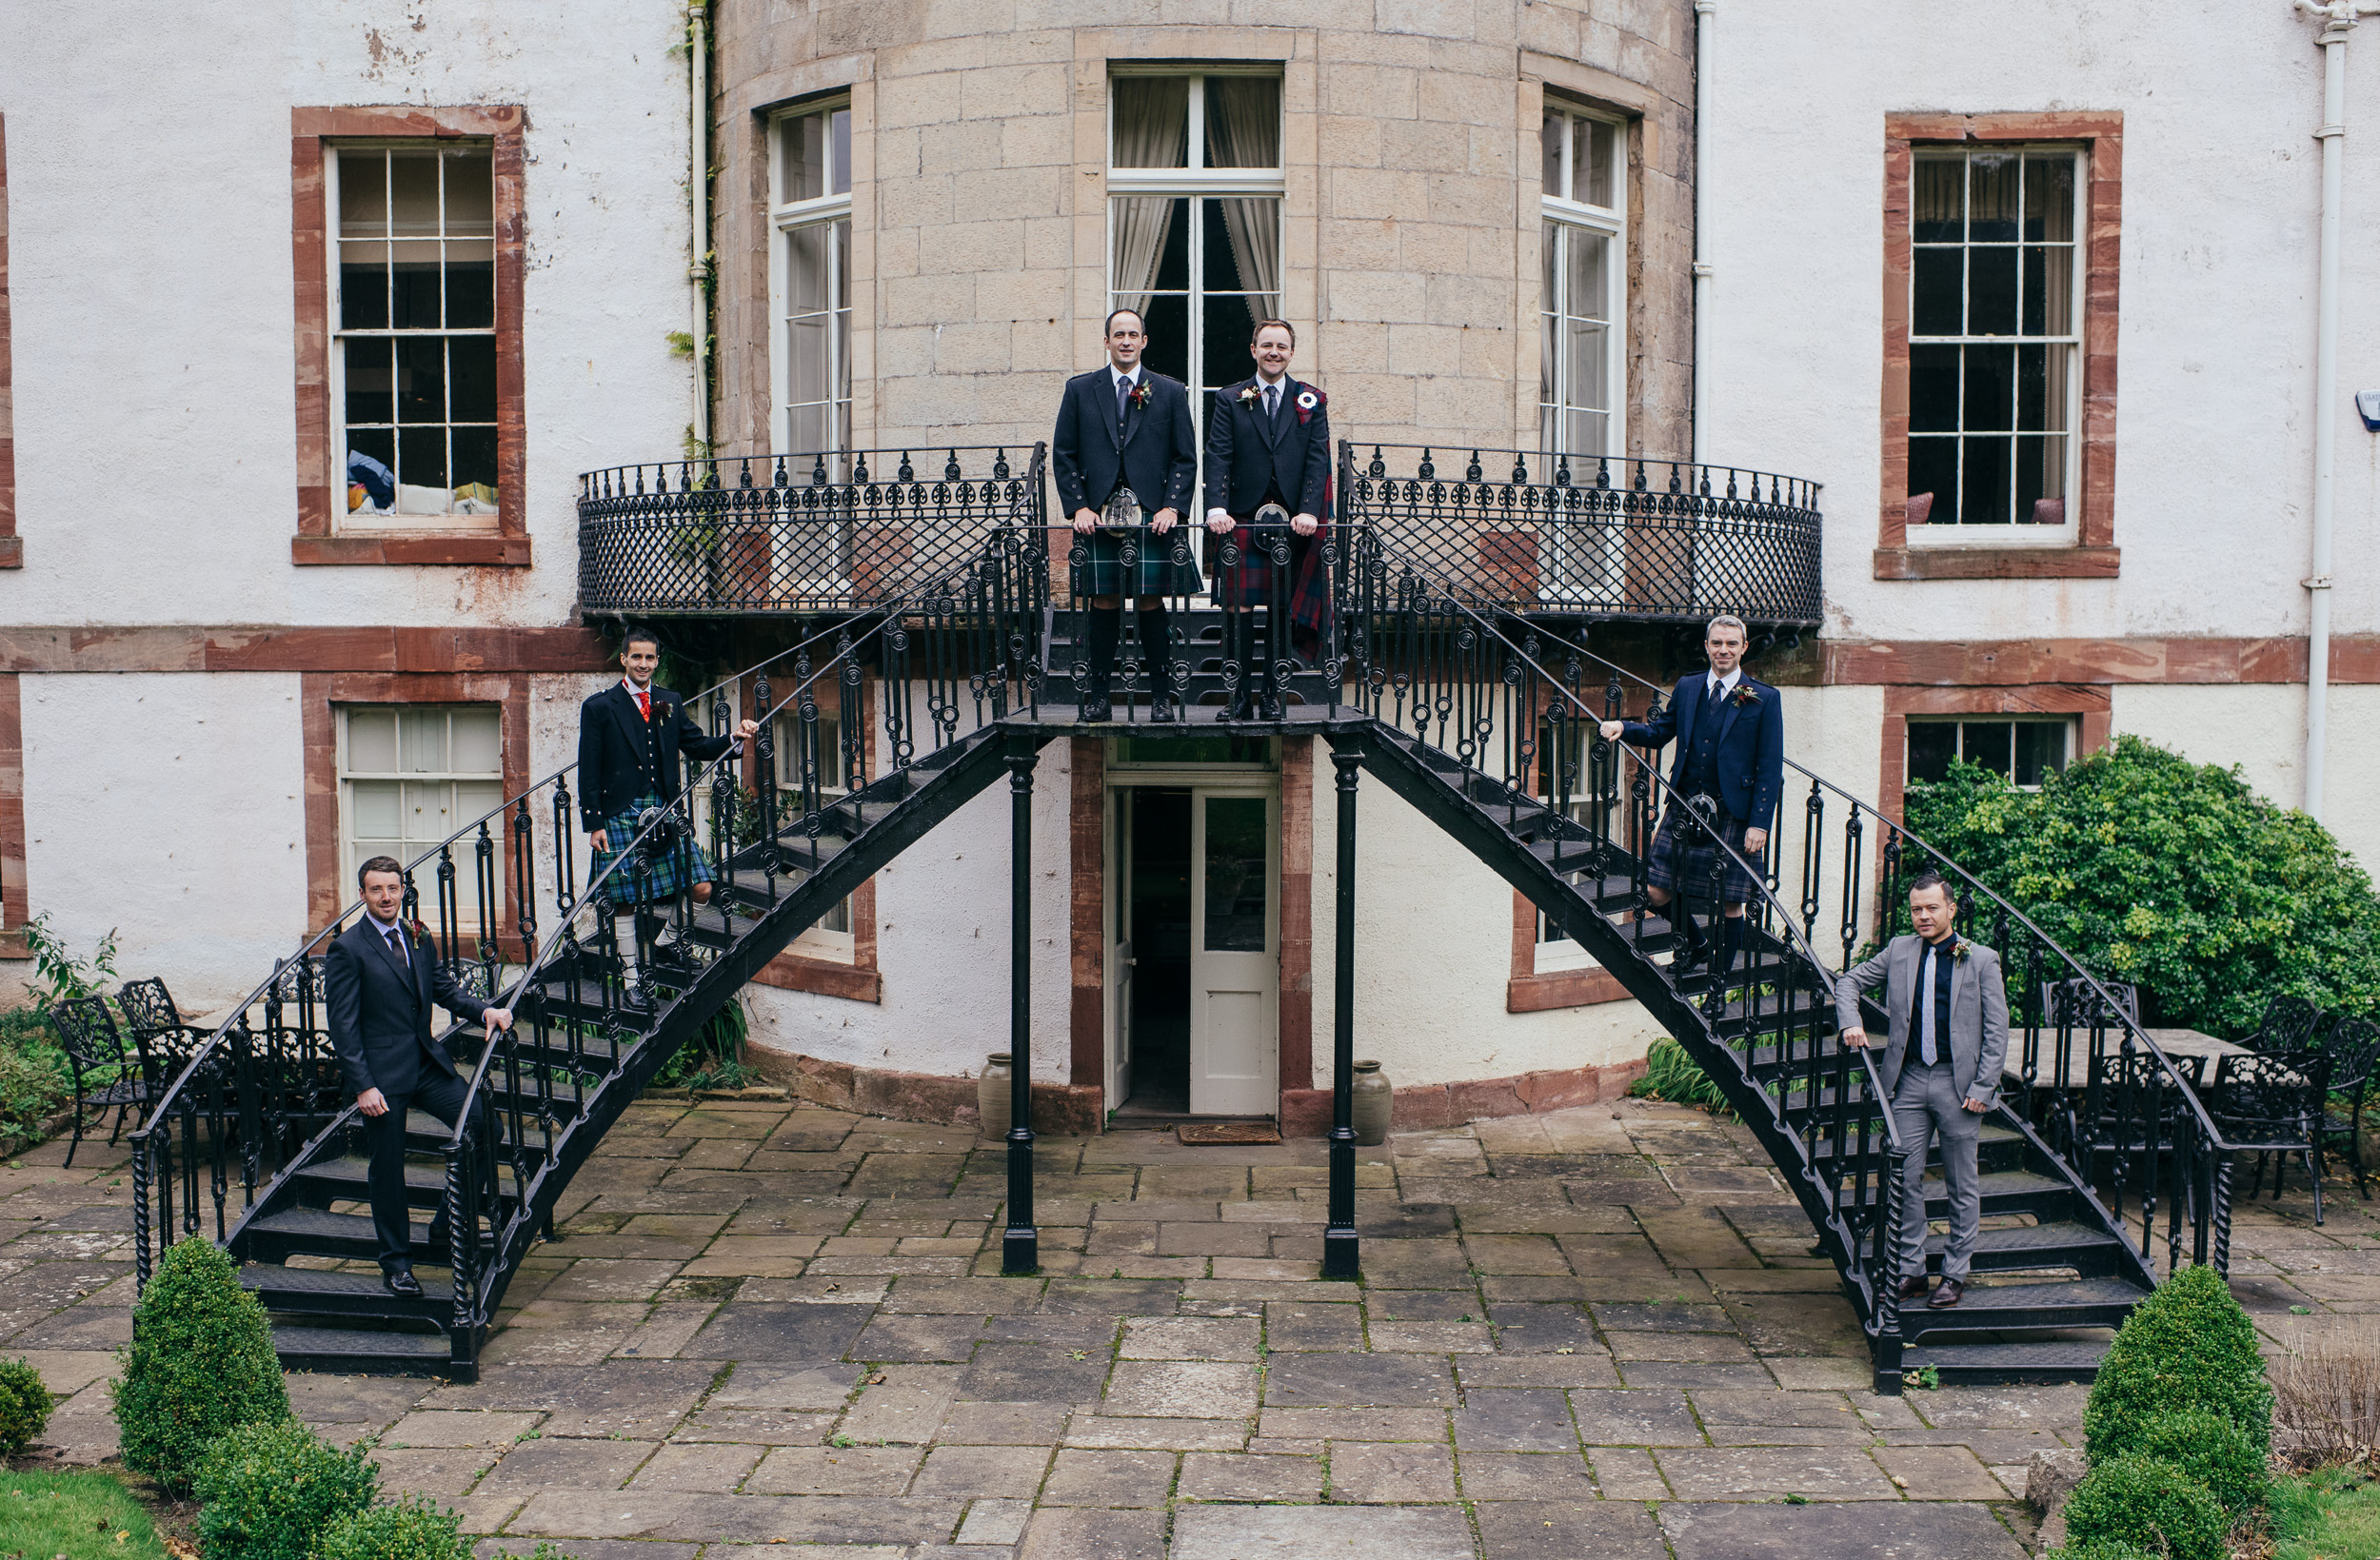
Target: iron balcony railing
(1586,536)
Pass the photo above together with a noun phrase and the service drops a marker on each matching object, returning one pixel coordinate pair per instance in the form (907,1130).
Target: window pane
(362,285)
(2031,386)
(1932,745)
(373,812)
(414,292)
(802,160)
(1550,139)
(1244,244)
(1590,161)
(1168,348)
(422,741)
(1986,745)
(2040,751)
(420,378)
(1984,485)
(477,741)
(371,385)
(470,194)
(1991,198)
(2048,304)
(422,486)
(2050,198)
(414,194)
(475,462)
(1235,873)
(372,741)
(471,362)
(1585,366)
(1936,292)
(2041,481)
(1941,216)
(1228,325)
(838,267)
(471,283)
(1585,433)
(805,269)
(1932,389)
(1992,292)
(807,361)
(1588,298)
(368,489)
(1243,121)
(1152,122)
(839,153)
(1990,385)
(1934,481)
(362,194)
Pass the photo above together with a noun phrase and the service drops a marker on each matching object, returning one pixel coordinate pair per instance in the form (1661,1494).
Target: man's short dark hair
(1263,325)
(1139,318)
(1933,879)
(640,636)
(378,863)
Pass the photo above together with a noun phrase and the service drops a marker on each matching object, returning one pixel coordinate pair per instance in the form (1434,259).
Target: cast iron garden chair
(103,1076)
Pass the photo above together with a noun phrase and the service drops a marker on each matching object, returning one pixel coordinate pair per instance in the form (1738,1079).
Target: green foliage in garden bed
(2173,876)
(34,1083)
(75,1516)
(2332,1513)
(201,1363)
(1671,1075)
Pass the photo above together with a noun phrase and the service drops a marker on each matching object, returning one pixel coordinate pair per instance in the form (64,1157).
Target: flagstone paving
(1596,1334)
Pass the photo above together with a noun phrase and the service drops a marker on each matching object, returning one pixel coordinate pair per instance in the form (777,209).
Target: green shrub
(410,1529)
(201,1362)
(2213,1450)
(2188,1346)
(33,1078)
(2100,1549)
(2173,876)
(25,1405)
(269,1487)
(2151,1505)
(1672,1075)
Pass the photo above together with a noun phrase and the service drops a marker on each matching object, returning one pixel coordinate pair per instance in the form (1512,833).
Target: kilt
(1162,566)
(1681,863)
(643,879)
(1247,580)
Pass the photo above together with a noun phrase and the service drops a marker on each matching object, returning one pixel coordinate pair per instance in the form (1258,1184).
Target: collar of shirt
(1264,384)
(1116,376)
(382,927)
(1727,684)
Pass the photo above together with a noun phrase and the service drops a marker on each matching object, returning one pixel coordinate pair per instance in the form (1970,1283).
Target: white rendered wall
(2221,204)
(152,294)
(170,808)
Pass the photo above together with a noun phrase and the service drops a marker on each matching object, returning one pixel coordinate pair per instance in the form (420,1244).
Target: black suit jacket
(623,757)
(1248,456)
(1155,454)
(1752,744)
(380,1009)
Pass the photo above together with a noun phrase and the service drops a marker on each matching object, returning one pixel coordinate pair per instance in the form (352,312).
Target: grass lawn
(83,1515)
(2333,1514)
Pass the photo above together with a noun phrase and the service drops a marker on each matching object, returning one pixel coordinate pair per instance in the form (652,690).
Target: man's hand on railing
(1855,1036)
(1165,521)
(496,1017)
(1610,730)
(1304,524)
(745,733)
(1086,521)
(1219,522)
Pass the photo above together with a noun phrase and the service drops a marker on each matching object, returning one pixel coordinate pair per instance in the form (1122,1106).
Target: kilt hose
(1684,855)
(1161,566)
(641,880)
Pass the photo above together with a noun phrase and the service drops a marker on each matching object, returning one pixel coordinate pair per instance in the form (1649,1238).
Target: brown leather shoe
(1911,1288)
(1946,1295)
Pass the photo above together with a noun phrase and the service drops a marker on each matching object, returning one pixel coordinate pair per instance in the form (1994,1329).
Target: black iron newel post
(1020,1249)
(1340,1249)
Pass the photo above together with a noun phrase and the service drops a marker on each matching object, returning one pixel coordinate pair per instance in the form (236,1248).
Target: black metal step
(346,1179)
(2004,1192)
(2058,1243)
(364,1351)
(1986,1308)
(1997,1147)
(2018,1361)
(318,1232)
(324,1291)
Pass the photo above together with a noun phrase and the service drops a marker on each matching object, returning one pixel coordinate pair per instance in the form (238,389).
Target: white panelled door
(1234,951)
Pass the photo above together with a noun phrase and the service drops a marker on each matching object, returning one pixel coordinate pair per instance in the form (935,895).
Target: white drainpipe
(698,181)
(1706,23)
(2338,18)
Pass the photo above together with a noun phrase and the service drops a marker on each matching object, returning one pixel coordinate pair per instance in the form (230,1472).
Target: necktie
(645,703)
(396,946)
(1925,1003)
(1271,401)
(1718,691)
(1123,400)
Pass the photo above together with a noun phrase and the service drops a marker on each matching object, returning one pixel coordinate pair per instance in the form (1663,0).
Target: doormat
(1206,1134)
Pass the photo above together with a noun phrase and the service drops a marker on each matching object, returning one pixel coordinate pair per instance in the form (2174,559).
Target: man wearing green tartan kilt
(1125,458)
(633,739)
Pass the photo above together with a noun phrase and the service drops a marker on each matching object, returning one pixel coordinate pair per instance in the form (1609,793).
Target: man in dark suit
(1946,1003)
(1268,442)
(1123,426)
(381,977)
(632,736)
(1730,767)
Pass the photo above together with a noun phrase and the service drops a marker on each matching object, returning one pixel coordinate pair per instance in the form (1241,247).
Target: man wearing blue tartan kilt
(1125,458)
(633,741)
(660,868)
(1728,773)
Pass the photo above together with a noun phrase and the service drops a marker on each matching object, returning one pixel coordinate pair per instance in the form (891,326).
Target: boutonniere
(1743,698)
(1959,949)
(1310,399)
(1247,395)
(1140,395)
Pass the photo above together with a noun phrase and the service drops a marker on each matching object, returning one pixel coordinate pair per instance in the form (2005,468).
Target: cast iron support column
(1020,1246)
(1340,1251)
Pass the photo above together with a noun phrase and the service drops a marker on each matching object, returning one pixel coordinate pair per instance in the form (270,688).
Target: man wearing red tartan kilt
(1268,443)
(1730,770)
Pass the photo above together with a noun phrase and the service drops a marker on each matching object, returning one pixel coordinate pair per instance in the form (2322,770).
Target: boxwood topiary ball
(25,1405)
(201,1362)
(2188,1346)
(269,1487)
(410,1529)
(2150,1504)
(2212,1450)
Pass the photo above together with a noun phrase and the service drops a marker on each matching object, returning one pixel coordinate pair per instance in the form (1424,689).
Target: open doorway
(1156,942)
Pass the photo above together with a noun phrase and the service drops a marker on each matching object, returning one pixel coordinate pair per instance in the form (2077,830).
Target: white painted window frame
(2070,725)
(347,776)
(1569,216)
(783,218)
(817,940)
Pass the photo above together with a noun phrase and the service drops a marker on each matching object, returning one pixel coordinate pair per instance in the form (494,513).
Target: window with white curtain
(809,278)
(409,775)
(1995,341)
(1195,219)
(1582,298)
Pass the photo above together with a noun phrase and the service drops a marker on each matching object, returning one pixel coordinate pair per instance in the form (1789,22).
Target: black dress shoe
(1911,1288)
(1096,708)
(401,1281)
(1161,708)
(1946,1295)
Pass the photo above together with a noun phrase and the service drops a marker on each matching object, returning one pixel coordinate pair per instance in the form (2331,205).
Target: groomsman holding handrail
(1268,441)
(1123,429)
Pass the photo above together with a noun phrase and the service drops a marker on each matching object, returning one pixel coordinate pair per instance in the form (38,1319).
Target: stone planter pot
(991,1094)
(1375,1102)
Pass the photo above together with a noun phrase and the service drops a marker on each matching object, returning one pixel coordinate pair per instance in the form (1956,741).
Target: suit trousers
(439,1095)
(1926,1102)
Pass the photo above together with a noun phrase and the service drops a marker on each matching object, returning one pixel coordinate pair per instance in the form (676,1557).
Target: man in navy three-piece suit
(1267,442)
(1123,426)
(1730,767)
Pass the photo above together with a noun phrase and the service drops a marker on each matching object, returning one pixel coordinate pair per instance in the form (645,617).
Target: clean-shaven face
(1273,348)
(642,662)
(384,895)
(1725,646)
(1125,337)
(1931,912)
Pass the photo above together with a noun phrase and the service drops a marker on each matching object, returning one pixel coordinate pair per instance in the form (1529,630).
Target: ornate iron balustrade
(765,534)
(1595,536)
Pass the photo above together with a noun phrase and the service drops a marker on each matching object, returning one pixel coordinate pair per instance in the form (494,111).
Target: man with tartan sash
(1730,769)
(1124,429)
(1268,443)
(631,737)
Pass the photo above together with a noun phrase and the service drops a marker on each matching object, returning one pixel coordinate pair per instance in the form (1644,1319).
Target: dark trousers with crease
(436,1094)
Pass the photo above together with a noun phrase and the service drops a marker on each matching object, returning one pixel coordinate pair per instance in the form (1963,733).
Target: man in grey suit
(1948,1006)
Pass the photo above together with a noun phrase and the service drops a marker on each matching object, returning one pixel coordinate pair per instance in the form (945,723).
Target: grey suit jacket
(1979,1013)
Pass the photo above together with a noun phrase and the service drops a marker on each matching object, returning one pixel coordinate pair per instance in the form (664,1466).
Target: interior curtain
(1244,128)
(1152,129)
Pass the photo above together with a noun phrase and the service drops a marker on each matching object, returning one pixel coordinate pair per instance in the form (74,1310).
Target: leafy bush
(201,1363)
(2151,1505)
(25,1405)
(2100,1549)
(1672,1075)
(269,1487)
(410,1529)
(2187,1346)
(2173,876)
(2213,1450)
(33,1078)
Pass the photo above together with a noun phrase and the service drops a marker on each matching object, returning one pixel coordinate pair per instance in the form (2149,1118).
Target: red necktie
(645,702)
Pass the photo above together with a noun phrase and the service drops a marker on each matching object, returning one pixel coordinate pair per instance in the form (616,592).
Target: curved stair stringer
(1506,835)
(916,799)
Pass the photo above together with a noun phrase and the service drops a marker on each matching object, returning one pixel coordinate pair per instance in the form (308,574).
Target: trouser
(436,1094)
(1105,627)
(1925,1102)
